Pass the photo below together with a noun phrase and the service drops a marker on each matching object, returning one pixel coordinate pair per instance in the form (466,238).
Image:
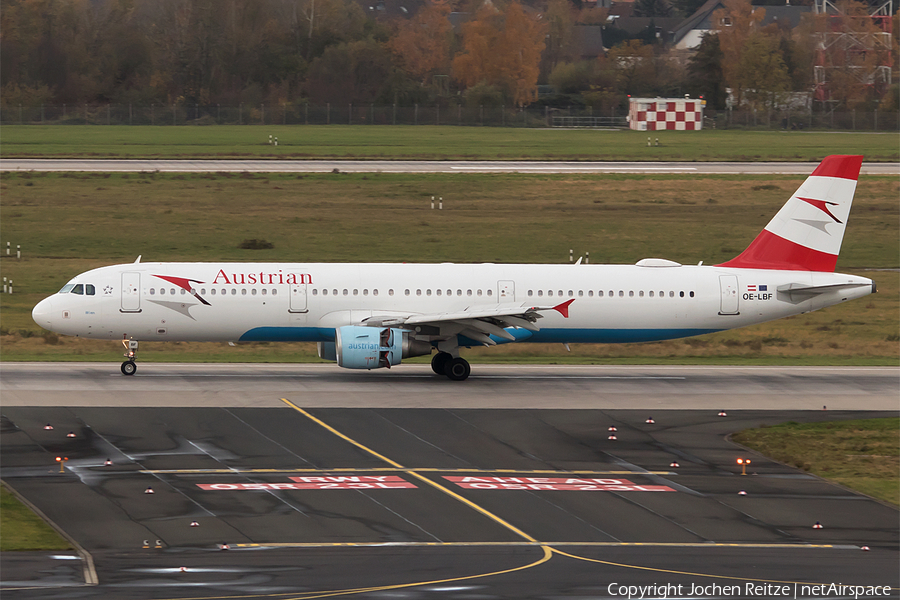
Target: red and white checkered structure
(657,114)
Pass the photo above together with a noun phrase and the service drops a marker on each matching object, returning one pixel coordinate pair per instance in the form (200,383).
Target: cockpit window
(88,289)
(78,289)
(67,288)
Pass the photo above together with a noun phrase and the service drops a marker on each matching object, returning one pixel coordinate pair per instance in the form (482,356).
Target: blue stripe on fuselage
(546,336)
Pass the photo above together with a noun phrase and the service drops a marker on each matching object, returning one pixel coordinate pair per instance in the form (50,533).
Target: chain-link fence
(420,114)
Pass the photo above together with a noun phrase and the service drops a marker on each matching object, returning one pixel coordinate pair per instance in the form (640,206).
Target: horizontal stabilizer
(812,290)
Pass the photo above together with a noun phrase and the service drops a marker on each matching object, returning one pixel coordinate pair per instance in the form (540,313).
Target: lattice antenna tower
(847,47)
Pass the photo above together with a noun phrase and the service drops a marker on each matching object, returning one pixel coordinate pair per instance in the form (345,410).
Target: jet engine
(356,347)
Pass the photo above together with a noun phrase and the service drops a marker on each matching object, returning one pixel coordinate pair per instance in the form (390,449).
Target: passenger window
(468,292)
(641,293)
(681,294)
(459,292)
(631,293)
(346,292)
(438,292)
(580,293)
(692,294)
(365,291)
(264,291)
(490,292)
(590,293)
(621,294)
(611,293)
(212,292)
(274,292)
(651,293)
(315,292)
(244,292)
(571,294)
(428,292)
(418,292)
(530,293)
(334,292)
(152,291)
(253,291)
(78,289)
(183,291)
(478,293)
(324,292)
(234,291)
(600,294)
(671,294)
(375,292)
(560,293)
(356,292)
(406,292)
(540,293)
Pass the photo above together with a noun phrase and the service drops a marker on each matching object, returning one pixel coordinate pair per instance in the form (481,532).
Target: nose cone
(42,313)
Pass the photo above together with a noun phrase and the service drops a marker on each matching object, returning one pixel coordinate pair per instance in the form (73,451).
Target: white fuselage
(242,302)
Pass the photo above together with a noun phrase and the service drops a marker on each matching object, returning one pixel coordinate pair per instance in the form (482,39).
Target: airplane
(374,315)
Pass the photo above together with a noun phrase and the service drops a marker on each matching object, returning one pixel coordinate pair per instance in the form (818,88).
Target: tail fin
(806,233)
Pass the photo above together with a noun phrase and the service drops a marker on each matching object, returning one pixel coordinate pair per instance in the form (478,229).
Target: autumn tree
(421,45)
(502,49)
(734,24)
(763,73)
(634,65)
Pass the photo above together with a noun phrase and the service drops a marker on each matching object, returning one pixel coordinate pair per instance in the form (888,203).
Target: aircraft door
(131,292)
(298,296)
(506,291)
(728,286)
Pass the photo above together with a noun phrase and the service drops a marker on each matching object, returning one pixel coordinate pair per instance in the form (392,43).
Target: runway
(321,487)
(424,166)
(490,386)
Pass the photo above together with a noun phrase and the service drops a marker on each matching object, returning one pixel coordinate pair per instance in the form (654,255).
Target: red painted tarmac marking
(553,484)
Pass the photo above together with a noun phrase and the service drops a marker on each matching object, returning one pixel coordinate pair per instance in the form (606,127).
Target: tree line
(277,52)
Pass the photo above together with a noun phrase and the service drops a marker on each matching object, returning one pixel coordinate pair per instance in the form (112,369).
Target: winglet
(563,308)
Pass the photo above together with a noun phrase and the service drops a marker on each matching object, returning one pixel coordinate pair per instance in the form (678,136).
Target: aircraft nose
(42,312)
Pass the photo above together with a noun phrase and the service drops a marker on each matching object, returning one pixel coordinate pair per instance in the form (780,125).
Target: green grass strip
(863,455)
(429,142)
(21,529)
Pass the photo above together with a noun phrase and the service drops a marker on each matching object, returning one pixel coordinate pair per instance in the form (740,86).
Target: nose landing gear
(129,367)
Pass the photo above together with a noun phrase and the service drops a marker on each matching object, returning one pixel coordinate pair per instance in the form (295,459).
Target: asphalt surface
(490,386)
(422,166)
(552,508)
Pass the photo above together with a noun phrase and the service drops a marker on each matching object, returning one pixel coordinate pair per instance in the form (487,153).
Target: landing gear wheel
(457,369)
(439,362)
(129,367)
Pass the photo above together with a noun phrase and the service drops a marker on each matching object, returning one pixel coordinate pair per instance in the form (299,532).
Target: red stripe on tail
(842,166)
(768,251)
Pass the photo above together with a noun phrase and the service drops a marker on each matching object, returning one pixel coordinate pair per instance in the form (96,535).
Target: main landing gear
(129,367)
(455,368)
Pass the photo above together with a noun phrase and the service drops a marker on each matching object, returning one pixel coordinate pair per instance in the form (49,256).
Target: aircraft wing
(477,324)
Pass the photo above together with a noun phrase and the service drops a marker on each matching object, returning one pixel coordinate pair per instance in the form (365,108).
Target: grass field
(22,529)
(437,143)
(68,223)
(863,455)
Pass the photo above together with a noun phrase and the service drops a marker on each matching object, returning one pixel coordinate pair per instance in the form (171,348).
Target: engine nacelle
(357,347)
